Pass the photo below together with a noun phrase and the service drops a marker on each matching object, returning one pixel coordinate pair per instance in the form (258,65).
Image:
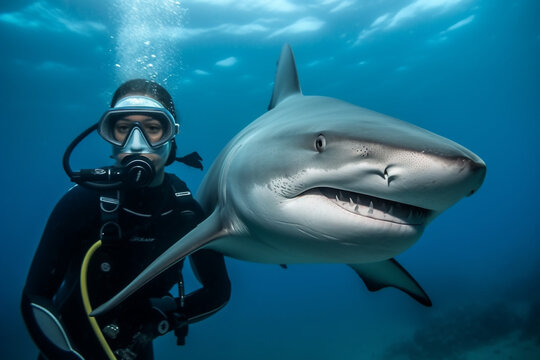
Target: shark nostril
(388,174)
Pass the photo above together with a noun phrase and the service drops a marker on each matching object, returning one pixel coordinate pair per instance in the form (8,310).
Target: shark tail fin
(286,82)
(390,273)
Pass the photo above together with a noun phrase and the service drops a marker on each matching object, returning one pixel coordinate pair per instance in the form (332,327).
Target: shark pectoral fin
(207,231)
(390,273)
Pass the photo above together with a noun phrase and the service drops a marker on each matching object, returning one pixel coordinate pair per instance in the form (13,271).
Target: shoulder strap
(184,197)
(109,205)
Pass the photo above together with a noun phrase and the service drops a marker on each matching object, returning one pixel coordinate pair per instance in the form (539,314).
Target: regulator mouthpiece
(138,171)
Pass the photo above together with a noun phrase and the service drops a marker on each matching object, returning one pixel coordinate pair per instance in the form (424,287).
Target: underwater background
(467,70)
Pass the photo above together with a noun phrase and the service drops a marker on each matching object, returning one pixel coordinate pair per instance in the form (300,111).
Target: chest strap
(110,201)
(109,206)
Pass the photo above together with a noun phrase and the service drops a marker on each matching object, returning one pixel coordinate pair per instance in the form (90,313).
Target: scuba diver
(108,228)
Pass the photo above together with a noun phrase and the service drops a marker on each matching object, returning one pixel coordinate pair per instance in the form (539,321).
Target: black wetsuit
(151,219)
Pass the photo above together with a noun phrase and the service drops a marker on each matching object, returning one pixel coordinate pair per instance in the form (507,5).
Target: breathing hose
(86,301)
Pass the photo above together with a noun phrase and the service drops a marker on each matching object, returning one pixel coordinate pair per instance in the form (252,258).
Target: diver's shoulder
(80,194)
(77,202)
(177,183)
(170,177)
(187,203)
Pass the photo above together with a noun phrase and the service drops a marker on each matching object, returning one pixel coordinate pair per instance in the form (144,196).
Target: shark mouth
(374,207)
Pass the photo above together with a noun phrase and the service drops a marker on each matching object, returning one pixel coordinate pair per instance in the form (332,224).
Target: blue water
(467,70)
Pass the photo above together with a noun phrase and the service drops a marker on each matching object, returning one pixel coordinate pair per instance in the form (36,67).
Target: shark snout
(471,168)
(477,170)
(431,171)
(431,178)
(447,180)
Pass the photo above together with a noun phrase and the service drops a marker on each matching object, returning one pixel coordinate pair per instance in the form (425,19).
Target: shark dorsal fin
(286,82)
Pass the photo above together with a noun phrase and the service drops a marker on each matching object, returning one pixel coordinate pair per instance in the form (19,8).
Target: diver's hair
(147,88)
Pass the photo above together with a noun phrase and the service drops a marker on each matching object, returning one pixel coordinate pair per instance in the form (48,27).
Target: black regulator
(135,171)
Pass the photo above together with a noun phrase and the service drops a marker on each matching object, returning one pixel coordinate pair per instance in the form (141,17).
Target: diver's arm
(59,243)
(209,268)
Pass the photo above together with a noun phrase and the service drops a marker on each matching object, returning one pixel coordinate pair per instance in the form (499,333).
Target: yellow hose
(86,301)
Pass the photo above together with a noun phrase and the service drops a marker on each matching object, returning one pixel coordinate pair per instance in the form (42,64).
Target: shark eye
(320,143)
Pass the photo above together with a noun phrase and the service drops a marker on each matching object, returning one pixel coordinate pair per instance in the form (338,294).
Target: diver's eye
(320,143)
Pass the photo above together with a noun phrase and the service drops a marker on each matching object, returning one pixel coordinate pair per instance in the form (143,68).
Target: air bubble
(143,32)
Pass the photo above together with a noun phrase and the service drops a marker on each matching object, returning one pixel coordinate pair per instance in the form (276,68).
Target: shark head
(315,175)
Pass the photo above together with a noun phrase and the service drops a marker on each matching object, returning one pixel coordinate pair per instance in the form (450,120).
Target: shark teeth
(376,208)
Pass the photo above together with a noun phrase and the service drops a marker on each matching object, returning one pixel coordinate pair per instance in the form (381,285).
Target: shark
(319,180)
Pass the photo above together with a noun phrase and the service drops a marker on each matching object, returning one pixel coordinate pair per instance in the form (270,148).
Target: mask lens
(157,126)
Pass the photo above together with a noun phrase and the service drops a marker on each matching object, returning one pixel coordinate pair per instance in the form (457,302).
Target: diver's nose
(136,142)
(477,168)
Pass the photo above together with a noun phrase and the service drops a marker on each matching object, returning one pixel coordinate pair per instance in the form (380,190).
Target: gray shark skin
(319,180)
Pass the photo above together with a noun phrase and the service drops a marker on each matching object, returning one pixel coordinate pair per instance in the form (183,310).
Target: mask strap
(194,160)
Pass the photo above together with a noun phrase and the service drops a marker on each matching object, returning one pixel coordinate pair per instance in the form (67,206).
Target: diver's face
(153,130)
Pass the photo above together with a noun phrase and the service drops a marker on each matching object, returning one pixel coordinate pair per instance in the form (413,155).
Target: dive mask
(135,122)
